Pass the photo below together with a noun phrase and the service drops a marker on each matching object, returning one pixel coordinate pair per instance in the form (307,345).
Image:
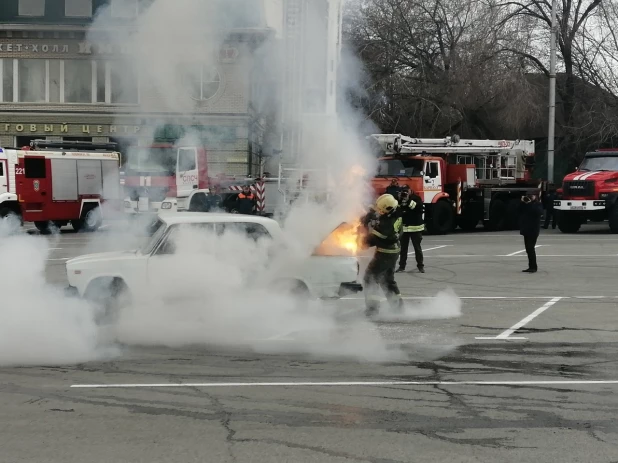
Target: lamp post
(552,96)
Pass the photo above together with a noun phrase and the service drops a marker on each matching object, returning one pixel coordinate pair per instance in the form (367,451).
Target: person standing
(413,226)
(246,201)
(530,212)
(384,235)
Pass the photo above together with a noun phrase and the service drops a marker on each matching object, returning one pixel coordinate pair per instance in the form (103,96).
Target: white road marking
(523,250)
(481,297)
(431,249)
(353,383)
(521,323)
(63,258)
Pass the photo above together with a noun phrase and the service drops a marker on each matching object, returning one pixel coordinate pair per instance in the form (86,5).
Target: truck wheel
(568,224)
(497,215)
(42,227)
(442,218)
(613,219)
(512,214)
(92,220)
(11,220)
(77,225)
(468,222)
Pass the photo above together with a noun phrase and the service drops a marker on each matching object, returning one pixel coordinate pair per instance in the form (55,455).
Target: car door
(175,268)
(187,178)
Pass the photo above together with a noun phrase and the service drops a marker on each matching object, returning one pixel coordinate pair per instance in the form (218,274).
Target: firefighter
(246,201)
(393,189)
(384,234)
(413,227)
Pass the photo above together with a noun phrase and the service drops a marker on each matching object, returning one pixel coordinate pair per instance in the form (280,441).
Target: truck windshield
(400,168)
(599,163)
(151,160)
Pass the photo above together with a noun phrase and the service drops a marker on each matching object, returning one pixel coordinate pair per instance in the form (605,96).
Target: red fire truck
(54,183)
(462,182)
(590,193)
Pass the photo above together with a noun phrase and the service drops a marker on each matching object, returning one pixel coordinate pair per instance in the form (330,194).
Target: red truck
(57,183)
(590,193)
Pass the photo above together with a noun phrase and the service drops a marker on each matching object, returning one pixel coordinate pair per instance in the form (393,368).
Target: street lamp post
(552,96)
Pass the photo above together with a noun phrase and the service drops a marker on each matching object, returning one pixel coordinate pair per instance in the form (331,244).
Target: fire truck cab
(57,183)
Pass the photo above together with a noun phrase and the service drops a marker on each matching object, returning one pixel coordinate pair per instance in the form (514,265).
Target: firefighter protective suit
(384,232)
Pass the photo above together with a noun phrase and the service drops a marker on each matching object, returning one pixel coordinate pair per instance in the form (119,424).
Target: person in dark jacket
(413,226)
(393,189)
(384,235)
(214,199)
(246,201)
(530,212)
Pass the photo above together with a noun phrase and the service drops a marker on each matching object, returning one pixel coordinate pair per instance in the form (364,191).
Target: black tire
(468,222)
(613,219)
(442,218)
(108,298)
(42,227)
(567,224)
(512,214)
(11,220)
(77,225)
(497,215)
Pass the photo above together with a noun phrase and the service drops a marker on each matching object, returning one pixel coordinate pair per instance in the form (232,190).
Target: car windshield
(599,163)
(400,168)
(157,230)
(151,160)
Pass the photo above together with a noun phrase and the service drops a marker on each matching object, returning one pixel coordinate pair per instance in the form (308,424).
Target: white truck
(110,280)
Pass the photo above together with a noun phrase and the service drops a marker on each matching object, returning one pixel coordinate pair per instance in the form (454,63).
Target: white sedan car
(112,278)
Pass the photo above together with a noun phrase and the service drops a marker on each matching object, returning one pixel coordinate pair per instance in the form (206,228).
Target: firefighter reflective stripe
(413,228)
(389,251)
(398,224)
(412,204)
(378,234)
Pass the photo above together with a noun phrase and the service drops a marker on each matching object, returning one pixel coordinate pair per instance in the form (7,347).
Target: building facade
(57,84)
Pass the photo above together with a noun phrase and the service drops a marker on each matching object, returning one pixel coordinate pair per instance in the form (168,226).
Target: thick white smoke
(38,324)
(215,289)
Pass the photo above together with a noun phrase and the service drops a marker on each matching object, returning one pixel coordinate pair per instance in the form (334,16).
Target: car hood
(592,175)
(102,256)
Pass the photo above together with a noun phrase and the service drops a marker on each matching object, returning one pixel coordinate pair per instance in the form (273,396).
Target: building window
(77,81)
(6,77)
(31,8)
(55,82)
(202,82)
(78,8)
(127,9)
(124,84)
(32,80)
(100,75)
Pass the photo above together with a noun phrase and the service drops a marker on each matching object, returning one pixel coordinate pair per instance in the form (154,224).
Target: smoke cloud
(38,325)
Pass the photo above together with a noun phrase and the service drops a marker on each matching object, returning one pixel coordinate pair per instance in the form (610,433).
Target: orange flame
(344,240)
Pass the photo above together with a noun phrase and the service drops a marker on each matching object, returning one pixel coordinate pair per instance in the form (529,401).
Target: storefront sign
(160,132)
(227,54)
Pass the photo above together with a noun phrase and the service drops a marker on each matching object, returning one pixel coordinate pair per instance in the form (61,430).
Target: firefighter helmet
(386,204)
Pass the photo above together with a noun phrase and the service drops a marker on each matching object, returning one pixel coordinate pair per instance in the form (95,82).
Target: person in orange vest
(246,201)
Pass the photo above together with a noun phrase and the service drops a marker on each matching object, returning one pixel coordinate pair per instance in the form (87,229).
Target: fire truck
(590,193)
(57,183)
(462,182)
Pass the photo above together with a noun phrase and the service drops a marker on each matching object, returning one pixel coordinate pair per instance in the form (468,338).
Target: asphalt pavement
(526,373)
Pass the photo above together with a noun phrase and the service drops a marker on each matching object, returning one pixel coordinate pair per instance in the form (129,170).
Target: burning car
(112,280)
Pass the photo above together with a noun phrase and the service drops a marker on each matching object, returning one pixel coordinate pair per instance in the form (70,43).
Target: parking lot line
(506,334)
(352,383)
(523,250)
(431,249)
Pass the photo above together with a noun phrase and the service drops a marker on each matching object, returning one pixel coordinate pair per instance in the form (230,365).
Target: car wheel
(109,297)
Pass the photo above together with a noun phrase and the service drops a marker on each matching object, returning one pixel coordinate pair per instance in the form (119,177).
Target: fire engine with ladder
(56,183)
(462,182)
